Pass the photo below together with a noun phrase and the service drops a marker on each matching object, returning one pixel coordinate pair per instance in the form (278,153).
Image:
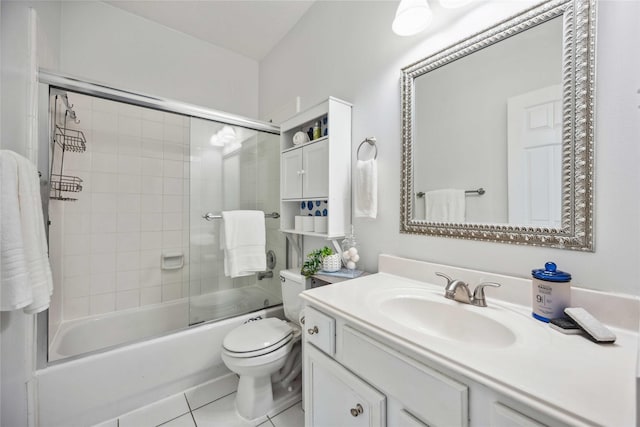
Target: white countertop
(567,376)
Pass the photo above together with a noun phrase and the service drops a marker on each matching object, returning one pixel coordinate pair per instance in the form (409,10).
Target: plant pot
(331,263)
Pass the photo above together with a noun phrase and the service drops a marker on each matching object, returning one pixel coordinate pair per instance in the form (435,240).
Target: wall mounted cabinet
(317,172)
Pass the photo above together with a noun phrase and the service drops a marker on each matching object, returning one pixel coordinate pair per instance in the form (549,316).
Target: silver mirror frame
(578,82)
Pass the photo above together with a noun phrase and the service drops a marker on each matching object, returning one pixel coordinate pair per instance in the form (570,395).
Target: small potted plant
(314,261)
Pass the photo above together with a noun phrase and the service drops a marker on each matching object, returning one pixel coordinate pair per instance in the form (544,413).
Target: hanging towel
(243,239)
(366,189)
(445,206)
(23,239)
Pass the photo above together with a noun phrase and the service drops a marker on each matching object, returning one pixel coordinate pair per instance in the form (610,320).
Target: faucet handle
(478,293)
(449,279)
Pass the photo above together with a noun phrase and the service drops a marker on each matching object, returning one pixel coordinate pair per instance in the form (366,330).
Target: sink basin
(445,319)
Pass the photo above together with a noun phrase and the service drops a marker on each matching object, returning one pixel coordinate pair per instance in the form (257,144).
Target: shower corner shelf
(71,139)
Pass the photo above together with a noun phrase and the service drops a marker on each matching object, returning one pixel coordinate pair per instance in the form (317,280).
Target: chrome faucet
(458,290)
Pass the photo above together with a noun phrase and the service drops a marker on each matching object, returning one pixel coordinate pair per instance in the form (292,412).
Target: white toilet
(262,349)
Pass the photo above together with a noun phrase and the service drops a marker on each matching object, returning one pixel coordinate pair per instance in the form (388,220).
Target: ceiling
(248,27)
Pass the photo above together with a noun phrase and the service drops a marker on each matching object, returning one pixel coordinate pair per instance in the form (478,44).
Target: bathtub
(88,334)
(100,386)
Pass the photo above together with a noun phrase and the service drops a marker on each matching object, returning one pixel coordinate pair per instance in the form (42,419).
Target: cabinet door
(291,174)
(503,416)
(336,397)
(315,163)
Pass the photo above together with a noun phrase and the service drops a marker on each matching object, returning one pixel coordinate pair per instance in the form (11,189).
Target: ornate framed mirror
(498,132)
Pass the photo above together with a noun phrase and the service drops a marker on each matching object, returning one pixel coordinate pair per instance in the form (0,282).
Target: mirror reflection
(492,121)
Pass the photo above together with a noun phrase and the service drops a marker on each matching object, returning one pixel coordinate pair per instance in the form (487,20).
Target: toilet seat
(257,338)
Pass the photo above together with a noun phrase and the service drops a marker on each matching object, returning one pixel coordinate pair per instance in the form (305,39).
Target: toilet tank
(293,283)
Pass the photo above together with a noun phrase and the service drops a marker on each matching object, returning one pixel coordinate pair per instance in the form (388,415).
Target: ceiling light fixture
(412,17)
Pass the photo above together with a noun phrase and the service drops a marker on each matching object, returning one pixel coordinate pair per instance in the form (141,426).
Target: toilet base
(255,396)
(281,399)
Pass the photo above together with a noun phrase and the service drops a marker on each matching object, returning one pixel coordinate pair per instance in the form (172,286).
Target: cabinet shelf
(325,236)
(296,147)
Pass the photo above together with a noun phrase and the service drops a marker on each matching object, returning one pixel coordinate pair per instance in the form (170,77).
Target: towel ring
(371,141)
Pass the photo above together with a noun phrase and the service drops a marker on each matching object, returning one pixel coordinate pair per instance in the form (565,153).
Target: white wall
(347,49)
(106,44)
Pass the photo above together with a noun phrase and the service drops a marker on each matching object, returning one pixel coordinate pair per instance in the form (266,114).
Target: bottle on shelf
(316,130)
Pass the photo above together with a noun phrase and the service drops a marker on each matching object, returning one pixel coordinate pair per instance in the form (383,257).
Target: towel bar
(480,191)
(210,216)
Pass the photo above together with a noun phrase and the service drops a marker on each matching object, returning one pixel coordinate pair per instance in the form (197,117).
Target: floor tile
(184,421)
(222,412)
(214,390)
(292,417)
(156,413)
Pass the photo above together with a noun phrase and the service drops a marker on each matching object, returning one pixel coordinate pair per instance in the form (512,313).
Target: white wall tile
(103,243)
(128,222)
(151,203)
(173,151)
(102,283)
(171,292)
(103,303)
(171,276)
(127,280)
(150,277)
(74,308)
(104,162)
(76,286)
(153,115)
(103,182)
(172,203)
(172,133)
(173,186)
(129,110)
(127,299)
(128,203)
(76,244)
(150,240)
(172,239)
(173,168)
(103,222)
(150,295)
(76,265)
(127,261)
(150,259)
(152,185)
(130,126)
(102,142)
(152,130)
(129,184)
(151,166)
(103,202)
(128,241)
(105,121)
(103,263)
(151,223)
(129,165)
(172,221)
(129,145)
(172,119)
(152,148)
(99,104)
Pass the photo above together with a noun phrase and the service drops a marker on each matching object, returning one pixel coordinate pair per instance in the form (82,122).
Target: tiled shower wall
(133,208)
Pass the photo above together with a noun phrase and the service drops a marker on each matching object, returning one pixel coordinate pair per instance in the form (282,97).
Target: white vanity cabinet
(353,369)
(317,172)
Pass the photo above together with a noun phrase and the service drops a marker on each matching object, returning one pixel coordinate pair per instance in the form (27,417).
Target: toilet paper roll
(307,223)
(320,224)
(298,222)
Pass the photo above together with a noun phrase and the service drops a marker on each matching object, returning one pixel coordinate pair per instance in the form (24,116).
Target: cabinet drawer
(503,416)
(431,396)
(320,330)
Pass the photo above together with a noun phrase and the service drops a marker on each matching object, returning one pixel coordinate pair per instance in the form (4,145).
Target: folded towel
(243,239)
(366,189)
(22,225)
(445,206)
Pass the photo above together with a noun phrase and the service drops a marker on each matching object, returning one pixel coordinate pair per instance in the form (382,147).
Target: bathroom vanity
(389,350)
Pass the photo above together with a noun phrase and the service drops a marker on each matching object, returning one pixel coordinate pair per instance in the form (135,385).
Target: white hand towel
(244,238)
(366,189)
(38,286)
(445,206)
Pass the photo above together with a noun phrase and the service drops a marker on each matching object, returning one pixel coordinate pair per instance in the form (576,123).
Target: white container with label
(551,292)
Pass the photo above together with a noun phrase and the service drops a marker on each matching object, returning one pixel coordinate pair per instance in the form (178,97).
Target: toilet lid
(266,335)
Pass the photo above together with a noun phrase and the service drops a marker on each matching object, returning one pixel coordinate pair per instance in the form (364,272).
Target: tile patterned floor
(202,407)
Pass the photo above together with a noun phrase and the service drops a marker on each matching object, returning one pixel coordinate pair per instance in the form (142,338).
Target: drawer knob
(357,410)
(313,330)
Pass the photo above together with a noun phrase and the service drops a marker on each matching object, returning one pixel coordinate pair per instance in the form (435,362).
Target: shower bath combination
(133,258)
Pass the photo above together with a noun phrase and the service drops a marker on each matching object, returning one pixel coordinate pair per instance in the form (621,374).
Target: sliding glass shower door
(232,168)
